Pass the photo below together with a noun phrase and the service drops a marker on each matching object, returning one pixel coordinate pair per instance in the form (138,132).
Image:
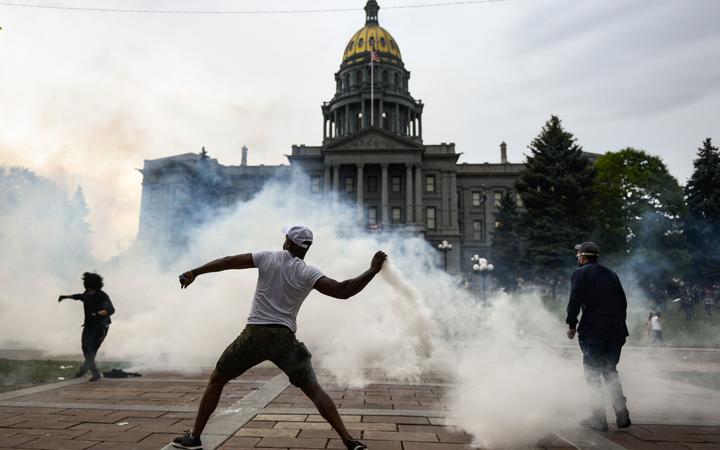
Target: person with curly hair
(98,309)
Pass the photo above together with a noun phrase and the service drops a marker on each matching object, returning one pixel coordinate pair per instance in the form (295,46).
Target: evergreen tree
(556,191)
(702,223)
(640,207)
(505,247)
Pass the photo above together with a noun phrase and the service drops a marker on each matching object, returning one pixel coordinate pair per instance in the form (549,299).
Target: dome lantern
(371,11)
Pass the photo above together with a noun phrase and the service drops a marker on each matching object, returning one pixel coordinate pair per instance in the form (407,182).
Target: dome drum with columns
(393,108)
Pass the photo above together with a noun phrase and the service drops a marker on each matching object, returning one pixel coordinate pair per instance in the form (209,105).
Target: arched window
(371,42)
(361,43)
(358,77)
(350,45)
(385,77)
(396,80)
(347,81)
(383,42)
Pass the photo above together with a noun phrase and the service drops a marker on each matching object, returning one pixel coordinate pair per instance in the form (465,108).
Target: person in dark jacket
(596,291)
(98,309)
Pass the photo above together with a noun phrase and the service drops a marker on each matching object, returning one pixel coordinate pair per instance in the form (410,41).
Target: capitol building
(372,153)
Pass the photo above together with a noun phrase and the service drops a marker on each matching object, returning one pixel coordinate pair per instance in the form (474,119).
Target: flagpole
(372,90)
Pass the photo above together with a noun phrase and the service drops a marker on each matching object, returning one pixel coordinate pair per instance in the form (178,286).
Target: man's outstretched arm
(243,261)
(348,288)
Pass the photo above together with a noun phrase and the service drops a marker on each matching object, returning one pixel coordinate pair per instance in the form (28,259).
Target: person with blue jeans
(596,291)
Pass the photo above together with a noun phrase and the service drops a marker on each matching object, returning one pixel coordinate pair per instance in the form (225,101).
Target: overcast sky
(85,97)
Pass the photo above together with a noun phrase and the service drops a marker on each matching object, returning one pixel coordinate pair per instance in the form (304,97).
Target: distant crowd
(689,297)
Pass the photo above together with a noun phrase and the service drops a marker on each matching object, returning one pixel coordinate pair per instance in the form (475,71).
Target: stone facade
(372,153)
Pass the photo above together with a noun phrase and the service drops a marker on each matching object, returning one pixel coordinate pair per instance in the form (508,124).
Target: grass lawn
(19,374)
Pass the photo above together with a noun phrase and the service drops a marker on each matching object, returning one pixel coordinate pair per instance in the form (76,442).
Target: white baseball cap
(299,234)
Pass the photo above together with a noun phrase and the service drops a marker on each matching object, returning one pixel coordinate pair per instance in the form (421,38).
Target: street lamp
(483,269)
(445,247)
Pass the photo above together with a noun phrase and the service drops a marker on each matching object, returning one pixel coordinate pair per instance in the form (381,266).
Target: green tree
(556,191)
(639,208)
(702,223)
(505,247)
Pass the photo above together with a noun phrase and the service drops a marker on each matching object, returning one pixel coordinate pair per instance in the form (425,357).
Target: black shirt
(597,291)
(92,303)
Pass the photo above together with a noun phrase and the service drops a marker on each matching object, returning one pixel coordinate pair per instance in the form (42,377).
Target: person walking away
(98,308)
(656,324)
(596,291)
(284,281)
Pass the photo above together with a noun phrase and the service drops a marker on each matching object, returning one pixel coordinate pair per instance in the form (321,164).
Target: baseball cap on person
(587,249)
(299,234)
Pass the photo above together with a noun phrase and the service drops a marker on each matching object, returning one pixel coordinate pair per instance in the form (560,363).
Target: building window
(396,215)
(349,184)
(358,77)
(372,215)
(397,80)
(315,184)
(372,184)
(498,198)
(395,184)
(477,199)
(361,43)
(383,42)
(385,76)
(430,218)
(430,183)
(371,42)
(478,230)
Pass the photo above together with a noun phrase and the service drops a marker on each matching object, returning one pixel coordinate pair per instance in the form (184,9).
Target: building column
(335,124)
(325,119)
(346,131)
(420,125)
(409,130)
(397,119)
(380,111)
(326,182)
(336,178)
(360,186)
(419,195)
(384,201)
(362,111)
(445,195)
(408,193)
(453,201)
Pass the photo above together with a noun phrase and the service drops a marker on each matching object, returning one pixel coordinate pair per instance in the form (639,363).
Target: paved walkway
(261,410)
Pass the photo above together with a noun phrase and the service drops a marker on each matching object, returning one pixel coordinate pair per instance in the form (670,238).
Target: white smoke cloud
(512,382)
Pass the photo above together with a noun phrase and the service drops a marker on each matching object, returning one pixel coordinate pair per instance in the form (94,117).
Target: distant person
(708,302)
(284,281)
(98,309)
(656,325)
(596,291)
(648,325)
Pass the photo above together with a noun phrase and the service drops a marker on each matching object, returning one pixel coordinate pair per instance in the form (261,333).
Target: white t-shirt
(284,282)
(655,321)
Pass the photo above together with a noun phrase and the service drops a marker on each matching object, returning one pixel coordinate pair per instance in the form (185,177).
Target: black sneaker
(188,442)
(595,424)
(79,374)
(95,377)
(622,419)
(355,445)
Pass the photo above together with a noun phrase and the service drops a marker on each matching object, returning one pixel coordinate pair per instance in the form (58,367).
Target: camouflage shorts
(276,343)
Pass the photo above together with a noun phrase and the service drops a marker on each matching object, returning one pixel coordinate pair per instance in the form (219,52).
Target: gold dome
(363,41)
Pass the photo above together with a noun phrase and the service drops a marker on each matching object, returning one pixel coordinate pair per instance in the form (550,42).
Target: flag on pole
(374,57)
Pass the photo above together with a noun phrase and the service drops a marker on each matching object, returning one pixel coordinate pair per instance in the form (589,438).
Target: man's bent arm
(344,289)
(243,261)
(573,308)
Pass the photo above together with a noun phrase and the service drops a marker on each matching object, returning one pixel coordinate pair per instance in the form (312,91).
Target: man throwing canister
(284,281)
(98,309)
(596,290)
